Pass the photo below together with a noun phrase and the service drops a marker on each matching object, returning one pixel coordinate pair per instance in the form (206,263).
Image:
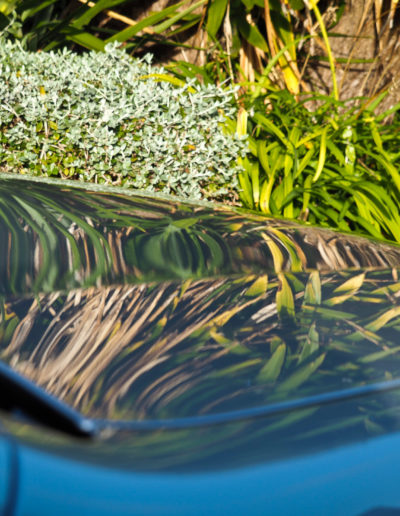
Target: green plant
(107,118)
(243,34)
(335,165)
(234,39)
(45,24)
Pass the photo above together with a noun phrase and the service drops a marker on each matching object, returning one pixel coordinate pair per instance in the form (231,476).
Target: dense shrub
(107,118)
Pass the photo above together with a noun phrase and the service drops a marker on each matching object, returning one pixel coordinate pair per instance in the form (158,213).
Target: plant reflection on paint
(59,238)
(263,328)
(160,351)
(197,347)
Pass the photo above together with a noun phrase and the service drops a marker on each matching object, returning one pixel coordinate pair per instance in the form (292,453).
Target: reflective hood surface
(57,237)
(135,309)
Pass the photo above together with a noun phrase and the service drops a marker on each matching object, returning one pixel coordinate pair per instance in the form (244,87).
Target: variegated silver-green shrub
(101,117)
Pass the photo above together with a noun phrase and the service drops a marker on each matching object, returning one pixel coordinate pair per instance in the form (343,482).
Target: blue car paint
(236,467)
(349,481)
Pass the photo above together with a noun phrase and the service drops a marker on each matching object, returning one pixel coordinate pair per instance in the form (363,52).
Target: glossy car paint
(348,480)
(251,364)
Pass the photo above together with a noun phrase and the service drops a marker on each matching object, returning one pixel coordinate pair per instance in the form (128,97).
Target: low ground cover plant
(107,118)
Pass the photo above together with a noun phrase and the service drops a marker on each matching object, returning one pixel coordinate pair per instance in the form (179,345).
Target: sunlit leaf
(89,14)
(297,257)
(236,368)
(383,319)
(149,21)
(259,287)
(312,294)
(349,288)
(162,77)
(158,29)
(352,284)
(322,155)
(277,255)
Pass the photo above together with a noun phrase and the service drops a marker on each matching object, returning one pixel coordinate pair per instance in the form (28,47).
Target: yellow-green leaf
(271,370)
(163,77)
(241,125)
(236,368)
(297,256)
(351,285)
(378,355)
(258,288)
(383,319)
(312,294)
(284,298)
(301,375)
(277,255)
(322,155)
(311,344)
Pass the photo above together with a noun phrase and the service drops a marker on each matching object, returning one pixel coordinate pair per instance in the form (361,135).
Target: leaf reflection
(56,237)
(135,309)
(162,350)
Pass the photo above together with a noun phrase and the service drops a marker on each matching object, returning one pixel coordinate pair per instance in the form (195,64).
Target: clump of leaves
(335,165)
(106,118)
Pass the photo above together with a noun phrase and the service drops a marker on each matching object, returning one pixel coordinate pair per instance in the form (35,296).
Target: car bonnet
(158,313)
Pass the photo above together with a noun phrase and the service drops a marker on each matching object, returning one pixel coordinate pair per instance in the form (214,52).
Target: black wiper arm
(17,393)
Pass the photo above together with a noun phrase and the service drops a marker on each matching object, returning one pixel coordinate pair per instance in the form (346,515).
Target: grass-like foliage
(238,37)
(107,118)
(335,165)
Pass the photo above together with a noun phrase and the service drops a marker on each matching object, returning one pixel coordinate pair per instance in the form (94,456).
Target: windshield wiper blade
(18,394)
